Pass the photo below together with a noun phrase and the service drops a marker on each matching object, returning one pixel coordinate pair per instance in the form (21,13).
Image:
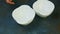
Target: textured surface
(8,25)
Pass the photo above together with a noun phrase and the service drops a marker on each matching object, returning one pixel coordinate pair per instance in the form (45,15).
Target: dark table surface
(49,25)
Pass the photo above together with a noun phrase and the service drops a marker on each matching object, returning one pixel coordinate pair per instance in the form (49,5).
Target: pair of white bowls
(24,14)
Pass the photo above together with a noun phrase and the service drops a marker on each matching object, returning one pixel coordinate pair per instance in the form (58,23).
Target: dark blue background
(8,25)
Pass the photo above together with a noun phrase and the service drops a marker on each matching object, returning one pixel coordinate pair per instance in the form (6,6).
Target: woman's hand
(10,1)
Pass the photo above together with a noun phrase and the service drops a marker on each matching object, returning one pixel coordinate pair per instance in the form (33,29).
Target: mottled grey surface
(8,25)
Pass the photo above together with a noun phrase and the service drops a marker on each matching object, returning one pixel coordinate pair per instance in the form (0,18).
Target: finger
(10,2)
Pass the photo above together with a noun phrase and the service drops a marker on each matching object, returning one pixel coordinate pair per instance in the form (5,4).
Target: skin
(10,1)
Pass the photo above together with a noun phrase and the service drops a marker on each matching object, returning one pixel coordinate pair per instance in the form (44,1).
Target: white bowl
(23,14)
